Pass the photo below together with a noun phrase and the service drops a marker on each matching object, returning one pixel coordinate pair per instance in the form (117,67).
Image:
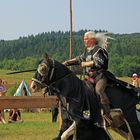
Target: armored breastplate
(89,57)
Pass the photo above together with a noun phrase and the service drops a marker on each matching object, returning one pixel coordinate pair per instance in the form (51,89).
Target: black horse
(81,96)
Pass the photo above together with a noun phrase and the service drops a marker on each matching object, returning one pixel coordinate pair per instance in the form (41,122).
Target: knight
(95,62)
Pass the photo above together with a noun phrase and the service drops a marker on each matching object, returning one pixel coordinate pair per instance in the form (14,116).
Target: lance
(20,71)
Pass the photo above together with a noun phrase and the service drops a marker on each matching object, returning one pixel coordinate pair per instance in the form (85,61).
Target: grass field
(13,78)
(36,126)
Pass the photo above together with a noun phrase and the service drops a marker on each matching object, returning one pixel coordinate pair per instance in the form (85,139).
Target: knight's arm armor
(100,59)
(71,62)
(75,61)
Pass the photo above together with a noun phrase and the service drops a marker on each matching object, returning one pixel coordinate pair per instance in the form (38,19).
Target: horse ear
(46,57)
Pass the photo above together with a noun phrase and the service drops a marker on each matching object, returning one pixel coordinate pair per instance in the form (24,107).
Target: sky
(20,18)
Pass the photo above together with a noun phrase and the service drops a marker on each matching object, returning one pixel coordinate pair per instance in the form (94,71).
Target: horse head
(49,72)
(43,74)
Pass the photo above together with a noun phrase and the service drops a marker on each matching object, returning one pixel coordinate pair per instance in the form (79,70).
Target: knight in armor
(95,62)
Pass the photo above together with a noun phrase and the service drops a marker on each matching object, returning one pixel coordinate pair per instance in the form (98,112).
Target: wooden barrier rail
(27,102)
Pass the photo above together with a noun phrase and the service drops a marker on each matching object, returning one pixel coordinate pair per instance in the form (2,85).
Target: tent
(23,90)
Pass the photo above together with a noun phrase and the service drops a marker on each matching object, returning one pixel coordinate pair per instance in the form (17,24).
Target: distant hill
(25,53)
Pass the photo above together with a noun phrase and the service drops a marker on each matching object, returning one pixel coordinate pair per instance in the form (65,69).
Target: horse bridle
(49,70)
(49,87)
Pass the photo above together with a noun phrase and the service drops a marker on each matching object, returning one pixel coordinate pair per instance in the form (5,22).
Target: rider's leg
(100,90)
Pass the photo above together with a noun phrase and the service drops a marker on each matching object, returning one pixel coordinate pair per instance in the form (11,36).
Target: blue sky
(26,17)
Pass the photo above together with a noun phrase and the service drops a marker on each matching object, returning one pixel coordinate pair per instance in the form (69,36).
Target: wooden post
(70,56)
(70,29)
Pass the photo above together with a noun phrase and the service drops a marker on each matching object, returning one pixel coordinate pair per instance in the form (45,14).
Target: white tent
(23,87)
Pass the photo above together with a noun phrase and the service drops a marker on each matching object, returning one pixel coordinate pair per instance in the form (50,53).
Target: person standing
(135,80)
(3,90)
(2,120)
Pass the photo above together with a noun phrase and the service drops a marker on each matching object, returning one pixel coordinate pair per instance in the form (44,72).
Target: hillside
(26,52)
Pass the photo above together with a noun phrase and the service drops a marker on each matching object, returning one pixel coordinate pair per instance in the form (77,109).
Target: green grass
(36,126)
(19,76)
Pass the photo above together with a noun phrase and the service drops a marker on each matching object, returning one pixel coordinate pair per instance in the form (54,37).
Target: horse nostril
(33,87)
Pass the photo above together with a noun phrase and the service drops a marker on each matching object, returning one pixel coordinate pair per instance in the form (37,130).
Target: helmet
(134,75)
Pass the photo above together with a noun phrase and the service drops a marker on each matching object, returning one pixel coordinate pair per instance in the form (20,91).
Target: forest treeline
(25,52)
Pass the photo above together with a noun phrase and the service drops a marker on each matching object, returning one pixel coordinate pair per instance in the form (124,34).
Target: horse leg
(70,131)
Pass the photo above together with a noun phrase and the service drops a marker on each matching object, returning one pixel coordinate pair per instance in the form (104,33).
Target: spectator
(15,116)
(3,90)
(135,80)
(2,120)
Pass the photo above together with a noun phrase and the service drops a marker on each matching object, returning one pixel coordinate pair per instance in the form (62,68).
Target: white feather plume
(102,39)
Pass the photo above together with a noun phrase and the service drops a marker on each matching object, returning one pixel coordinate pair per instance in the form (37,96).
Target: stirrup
(118,114)
(115,120)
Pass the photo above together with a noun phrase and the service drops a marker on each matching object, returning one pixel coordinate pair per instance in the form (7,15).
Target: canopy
(23,90)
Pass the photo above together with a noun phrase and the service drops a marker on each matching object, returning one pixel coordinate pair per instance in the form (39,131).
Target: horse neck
(61,71)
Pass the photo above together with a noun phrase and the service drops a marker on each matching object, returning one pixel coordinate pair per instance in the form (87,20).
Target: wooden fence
(27,102)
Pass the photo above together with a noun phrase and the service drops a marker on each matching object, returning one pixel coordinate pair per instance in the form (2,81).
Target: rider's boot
(106,111)
(107,116)
(105,105)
